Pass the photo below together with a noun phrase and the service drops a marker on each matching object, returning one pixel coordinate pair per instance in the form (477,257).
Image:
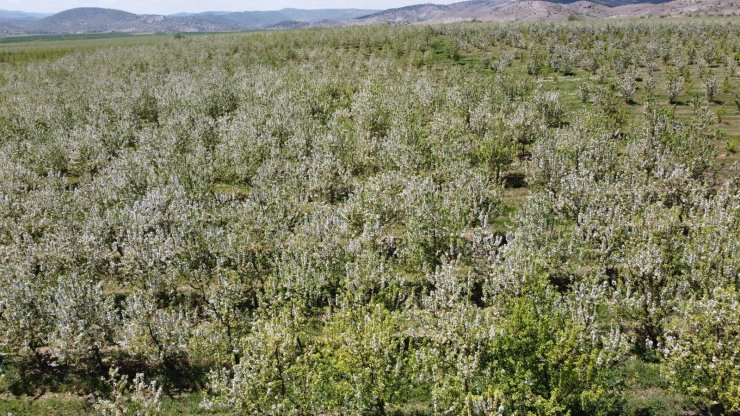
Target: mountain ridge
(102,20)
(15,18)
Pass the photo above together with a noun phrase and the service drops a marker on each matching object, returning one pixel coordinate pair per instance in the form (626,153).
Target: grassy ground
(52,405)
(72,405)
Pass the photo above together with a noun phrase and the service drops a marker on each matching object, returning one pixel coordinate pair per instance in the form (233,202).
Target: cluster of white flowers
(136,397)
(322,221)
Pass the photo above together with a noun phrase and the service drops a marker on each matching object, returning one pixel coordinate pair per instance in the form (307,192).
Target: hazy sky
(173,6)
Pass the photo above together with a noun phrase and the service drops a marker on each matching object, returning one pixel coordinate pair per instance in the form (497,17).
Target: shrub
(675,85)
(702,351)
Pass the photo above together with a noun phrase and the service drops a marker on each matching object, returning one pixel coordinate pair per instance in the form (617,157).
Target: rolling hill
(83,20)
(97,20)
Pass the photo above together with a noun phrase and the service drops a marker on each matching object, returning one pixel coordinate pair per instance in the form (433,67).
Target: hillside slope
(9,29)
(534,10)
(613,3)
(679,8)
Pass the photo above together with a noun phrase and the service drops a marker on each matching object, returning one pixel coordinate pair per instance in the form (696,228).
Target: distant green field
(40,38)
